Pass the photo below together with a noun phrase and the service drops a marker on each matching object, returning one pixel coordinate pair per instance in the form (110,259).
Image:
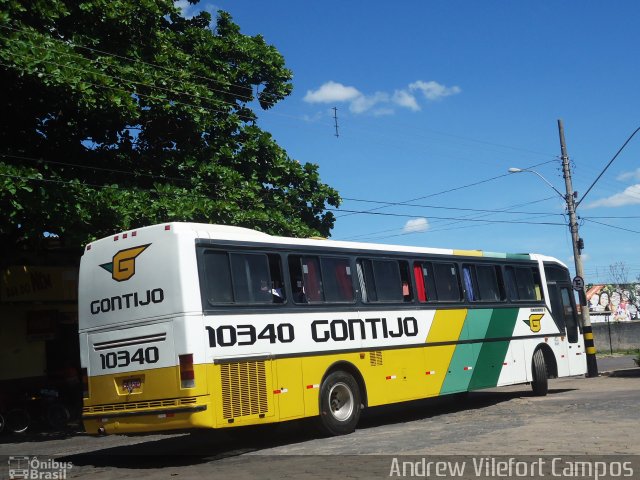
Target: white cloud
(434,90)
(405,99)
(630,196)
(633,175)
(379,103)
(363,103)
(416,225)
(332,92)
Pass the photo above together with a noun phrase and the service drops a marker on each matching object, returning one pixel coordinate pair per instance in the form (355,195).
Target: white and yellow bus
(188,325)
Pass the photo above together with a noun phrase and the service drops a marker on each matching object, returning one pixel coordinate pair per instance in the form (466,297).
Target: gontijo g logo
(123,265)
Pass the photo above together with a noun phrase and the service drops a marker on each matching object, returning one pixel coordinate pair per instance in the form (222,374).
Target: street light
(518,170)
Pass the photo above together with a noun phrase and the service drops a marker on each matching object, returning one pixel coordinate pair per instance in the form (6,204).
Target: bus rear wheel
(540,383)
(339,404)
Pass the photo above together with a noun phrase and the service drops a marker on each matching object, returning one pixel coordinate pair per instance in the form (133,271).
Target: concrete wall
(624,336)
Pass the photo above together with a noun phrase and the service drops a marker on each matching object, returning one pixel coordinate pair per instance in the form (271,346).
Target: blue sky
(436,95)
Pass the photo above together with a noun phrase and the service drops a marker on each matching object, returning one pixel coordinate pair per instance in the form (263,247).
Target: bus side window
(446,281)
(490,285)
(537,284)
(380,280)
(336,276)
(405,276)
(305,279)
(277,279)
(470,282)
(568,311)
(420,284)
(510,283)
(217,277)
(251,278)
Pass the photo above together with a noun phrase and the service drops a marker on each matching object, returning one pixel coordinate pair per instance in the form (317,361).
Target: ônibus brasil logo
(123,265)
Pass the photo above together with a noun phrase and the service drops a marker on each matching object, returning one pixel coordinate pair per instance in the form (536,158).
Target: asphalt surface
(579,417)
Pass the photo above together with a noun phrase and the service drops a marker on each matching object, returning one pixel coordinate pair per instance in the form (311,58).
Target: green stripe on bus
(492,354)
(464,358)
(519,256)
(495,254)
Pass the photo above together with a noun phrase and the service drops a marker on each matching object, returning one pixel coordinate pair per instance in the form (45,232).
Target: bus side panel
(493,352)
(289,385)
(442,361)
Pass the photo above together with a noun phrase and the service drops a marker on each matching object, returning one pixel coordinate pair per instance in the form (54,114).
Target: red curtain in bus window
(344,280)
(312,285)
(417,272)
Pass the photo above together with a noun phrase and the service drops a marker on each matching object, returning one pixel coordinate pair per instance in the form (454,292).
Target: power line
(391,204)
(459,219)
(612,226)
(486,180)
(368,212)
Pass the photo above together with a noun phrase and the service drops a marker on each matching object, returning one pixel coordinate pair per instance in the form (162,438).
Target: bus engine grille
(244,389)
(375,358)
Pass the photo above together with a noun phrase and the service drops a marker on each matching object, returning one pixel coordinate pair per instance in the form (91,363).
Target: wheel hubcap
(341,401)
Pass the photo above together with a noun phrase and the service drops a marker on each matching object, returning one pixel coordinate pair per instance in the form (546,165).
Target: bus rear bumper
(197,416)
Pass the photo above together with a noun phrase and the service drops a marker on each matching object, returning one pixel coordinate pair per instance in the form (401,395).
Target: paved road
(579,416)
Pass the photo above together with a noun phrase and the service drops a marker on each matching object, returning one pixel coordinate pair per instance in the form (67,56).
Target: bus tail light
(85,383)
(187,375)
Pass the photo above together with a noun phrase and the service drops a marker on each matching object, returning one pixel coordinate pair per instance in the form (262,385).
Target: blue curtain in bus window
(468,283)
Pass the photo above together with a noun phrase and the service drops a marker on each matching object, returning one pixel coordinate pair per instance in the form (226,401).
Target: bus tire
(540,382)
(339,404)
(18,420)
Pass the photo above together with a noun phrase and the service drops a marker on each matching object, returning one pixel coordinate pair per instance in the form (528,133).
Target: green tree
(121,113)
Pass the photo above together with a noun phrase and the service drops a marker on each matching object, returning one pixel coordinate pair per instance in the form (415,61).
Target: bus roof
(231,233)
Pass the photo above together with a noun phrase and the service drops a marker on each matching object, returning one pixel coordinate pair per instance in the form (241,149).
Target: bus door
(565,315)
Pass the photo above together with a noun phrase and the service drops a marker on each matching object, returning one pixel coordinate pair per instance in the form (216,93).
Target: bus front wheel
(339,404)
(540,383)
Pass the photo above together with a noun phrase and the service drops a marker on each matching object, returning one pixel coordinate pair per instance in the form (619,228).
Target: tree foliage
(121,113)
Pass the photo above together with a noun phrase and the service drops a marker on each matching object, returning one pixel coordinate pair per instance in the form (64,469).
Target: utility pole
(592,364)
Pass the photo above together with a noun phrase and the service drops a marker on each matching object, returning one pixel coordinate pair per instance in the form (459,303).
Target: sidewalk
(618,365)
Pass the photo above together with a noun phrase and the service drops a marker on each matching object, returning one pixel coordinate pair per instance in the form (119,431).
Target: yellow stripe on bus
(446,327)
(468,253)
